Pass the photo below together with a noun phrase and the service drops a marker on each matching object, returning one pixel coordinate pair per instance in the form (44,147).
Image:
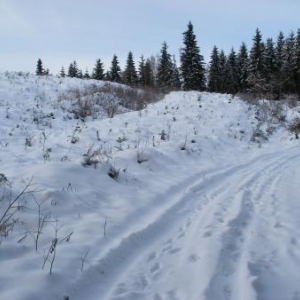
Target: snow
(207,214)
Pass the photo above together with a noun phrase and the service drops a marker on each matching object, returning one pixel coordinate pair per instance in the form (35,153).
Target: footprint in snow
(156,267)
(175,250)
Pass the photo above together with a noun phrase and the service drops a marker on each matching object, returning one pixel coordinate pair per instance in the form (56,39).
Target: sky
(60,31)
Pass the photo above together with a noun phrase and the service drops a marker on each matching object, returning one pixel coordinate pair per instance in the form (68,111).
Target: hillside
(193,197)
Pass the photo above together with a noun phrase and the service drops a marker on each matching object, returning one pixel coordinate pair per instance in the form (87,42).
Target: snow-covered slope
(195,209)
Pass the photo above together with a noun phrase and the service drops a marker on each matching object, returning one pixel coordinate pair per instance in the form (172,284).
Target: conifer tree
(223,75)
(86,74)
(256,78)
(232,73)
(73,69)
(149,74)
(39,68)
(164,69)
(242,69)
(269,61)
(115,70)
(175,79)
(62,72)
(279,63)
(214,71)
(192,63)
(296,63)
(130,75)
(141,72)
(256,55)
(287,68)
(98,71)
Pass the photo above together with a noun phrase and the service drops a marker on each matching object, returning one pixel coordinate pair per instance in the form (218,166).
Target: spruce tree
(192,63)
(164,69)
(86,74)
(256,55)
(73,70)
(175,79)
(149,73)
(256,78)
(130,75)
(39,68)
(287,68)
(62,72)
(98,71)
(296,63)
(115,70)
(141,72)
(269,61)
(223,75)
(279,63)
(232,73)
(242,67)
(214,71)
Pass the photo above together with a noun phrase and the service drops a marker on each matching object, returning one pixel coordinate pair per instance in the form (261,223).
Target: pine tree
(141,72)
(39,68)
(115,70)
(223,75)
(86,74)
(73,70)
(149,73)
(192,63)
(62,72)
(296,63)
(232,73)
(130,75)
(287,68)
(279,64)
(164,69)
(269,60)
(98,71)
(214,71)
(256,55)
(242,67)
(175,79)
(256,78)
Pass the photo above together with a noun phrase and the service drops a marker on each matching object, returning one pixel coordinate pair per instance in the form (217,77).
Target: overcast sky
(60,31)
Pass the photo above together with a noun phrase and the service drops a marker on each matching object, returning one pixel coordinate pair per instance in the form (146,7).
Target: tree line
(269,68)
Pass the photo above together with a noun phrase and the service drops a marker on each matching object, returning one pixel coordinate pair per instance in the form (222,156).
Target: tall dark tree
(192,63)
(256,55)
(214,71)
(175,79)
(269,61)
(149,73)
(39,68)
(86,74)
(98,71)
(62,72)
(223,74)
(256,78)
(115,70)
(232,73)
(130,75)
(141,72)
(73,70)
(242,62)
(287,69)
(296,63)
(164,69)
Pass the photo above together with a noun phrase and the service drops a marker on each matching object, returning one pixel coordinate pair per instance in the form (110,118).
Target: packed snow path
(231,233)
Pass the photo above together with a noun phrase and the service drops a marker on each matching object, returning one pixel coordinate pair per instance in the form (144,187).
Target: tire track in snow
(229,272)
(101,278)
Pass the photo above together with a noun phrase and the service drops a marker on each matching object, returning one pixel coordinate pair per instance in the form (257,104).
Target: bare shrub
(95,156)
(110,97)
(294,127)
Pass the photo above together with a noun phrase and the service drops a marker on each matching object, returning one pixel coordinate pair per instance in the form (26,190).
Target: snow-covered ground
(197,211)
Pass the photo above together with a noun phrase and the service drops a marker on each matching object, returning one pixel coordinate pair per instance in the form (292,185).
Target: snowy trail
(204,240)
